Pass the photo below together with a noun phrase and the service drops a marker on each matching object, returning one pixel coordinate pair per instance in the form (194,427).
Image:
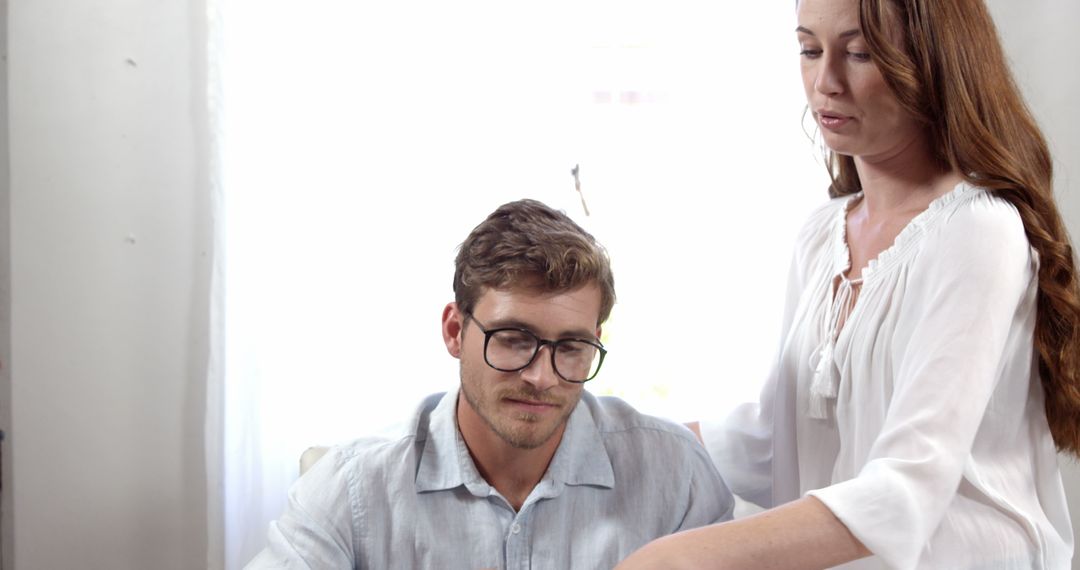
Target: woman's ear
(453,322)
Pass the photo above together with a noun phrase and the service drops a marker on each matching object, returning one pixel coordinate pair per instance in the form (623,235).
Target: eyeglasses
(510,349)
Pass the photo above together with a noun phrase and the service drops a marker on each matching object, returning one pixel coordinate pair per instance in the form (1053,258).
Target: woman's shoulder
(821,225)
(977,215)
(824,215)
(975,224)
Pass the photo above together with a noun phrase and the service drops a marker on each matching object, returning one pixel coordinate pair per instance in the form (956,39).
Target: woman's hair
(527,245)
(950,73)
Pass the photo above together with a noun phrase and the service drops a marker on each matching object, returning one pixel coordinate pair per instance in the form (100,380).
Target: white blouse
(921,424)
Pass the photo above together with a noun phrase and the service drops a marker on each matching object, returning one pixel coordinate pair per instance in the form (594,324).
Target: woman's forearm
(803,534)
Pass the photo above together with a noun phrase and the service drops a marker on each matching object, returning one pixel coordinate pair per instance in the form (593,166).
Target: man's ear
(453,323)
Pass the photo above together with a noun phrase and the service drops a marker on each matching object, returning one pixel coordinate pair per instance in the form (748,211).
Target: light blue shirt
(618,480)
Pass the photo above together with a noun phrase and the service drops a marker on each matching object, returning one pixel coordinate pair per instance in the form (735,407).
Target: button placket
(518,549)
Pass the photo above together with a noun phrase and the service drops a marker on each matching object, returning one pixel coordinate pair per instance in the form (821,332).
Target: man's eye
(514,340)
(569,348)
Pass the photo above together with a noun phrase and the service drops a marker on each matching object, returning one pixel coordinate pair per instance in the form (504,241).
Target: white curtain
(361,141)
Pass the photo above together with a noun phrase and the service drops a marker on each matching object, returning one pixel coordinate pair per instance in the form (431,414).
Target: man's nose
(540,372)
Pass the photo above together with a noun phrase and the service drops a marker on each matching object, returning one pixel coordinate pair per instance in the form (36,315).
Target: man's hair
(526,244)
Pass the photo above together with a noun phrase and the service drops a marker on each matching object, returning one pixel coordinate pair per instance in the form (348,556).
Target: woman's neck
(906,181)
(895,190)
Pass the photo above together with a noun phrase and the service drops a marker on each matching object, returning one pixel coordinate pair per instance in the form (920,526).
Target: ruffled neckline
(824,385)
(904,240)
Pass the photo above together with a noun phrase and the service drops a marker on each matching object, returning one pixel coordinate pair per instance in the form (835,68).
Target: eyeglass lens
(575,360)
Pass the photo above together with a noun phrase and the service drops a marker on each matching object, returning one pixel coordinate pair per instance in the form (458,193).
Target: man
(518,467)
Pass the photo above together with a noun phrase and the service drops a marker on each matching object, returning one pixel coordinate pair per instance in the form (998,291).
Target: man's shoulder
(614,417)
(391,448)
(647,451)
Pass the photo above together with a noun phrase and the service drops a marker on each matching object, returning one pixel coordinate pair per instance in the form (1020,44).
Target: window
(364,140)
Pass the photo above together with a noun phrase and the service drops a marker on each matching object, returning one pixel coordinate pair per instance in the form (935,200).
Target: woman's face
(857,113)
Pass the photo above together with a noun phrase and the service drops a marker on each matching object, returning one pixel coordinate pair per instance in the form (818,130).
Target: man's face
(527,408)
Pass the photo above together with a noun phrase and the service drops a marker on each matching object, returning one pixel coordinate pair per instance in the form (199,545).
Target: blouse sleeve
(970,285)
(741,449)
(741,446)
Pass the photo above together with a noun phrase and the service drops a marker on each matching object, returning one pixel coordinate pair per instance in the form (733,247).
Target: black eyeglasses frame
(540,343)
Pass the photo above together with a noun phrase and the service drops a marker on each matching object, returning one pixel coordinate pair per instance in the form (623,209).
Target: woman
(931,352)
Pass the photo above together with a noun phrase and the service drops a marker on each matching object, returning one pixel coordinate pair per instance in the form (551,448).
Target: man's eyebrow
(843,35)
(581,334)
(518,324)
(507,324)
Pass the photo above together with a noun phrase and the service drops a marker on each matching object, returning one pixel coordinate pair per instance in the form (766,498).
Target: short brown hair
(528,244)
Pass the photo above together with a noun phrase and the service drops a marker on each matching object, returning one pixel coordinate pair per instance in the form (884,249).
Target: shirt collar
(582,458)
(445,463)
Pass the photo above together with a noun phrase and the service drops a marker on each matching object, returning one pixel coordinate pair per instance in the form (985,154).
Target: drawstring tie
(826,379)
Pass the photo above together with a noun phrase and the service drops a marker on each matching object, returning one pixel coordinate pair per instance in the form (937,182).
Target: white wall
(109,234)
(6,518)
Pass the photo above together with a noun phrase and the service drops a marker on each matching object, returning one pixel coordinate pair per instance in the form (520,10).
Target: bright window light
(362,141)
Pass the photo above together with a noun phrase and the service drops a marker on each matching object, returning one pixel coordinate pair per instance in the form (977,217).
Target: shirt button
(515,529)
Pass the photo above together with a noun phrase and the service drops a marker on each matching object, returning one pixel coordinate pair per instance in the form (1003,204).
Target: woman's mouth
(832,121)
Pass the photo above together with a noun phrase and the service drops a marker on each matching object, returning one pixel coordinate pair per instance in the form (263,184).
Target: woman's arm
(974,287)
(802,534)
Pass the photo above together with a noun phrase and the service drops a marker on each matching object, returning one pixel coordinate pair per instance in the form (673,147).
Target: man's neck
(512,471)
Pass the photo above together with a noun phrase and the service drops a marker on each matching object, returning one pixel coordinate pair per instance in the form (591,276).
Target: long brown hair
(950,73)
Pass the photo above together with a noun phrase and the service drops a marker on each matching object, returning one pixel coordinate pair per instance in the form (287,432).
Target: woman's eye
(810,53)
(859,56)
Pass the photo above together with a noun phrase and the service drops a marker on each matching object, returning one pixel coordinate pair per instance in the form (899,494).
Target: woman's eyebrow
(846,34)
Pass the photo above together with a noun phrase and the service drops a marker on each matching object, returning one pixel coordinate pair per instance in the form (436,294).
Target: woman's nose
(829,80)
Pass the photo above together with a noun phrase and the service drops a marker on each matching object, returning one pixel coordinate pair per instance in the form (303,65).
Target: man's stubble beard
(514,435)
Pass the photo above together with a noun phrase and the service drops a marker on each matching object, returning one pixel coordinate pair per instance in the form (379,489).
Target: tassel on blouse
(826,380)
